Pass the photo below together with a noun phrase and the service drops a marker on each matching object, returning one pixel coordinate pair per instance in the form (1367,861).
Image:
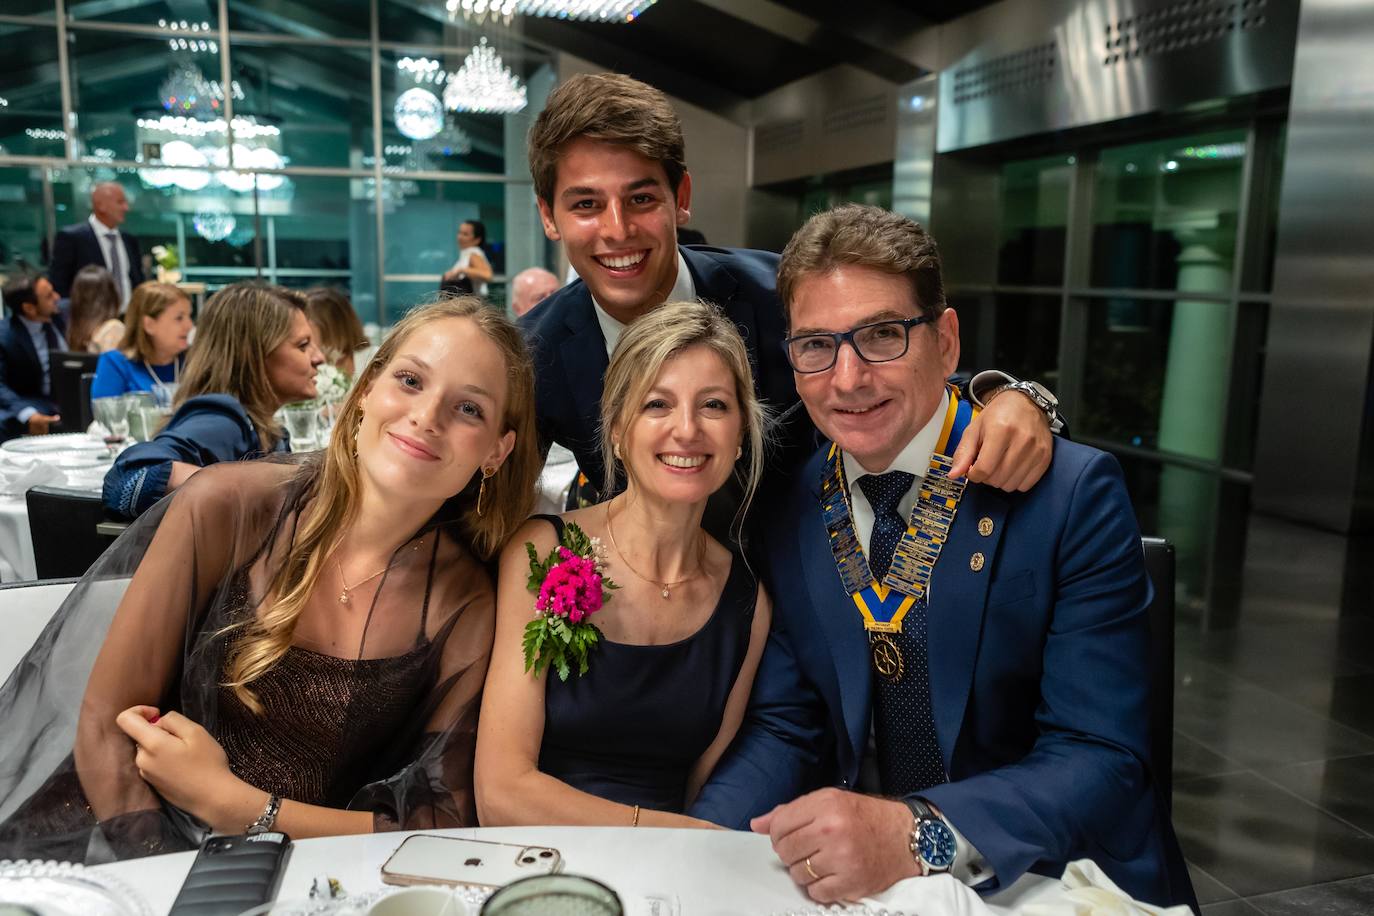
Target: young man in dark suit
(28,337)
(99,241)
(610,177)
(963,669)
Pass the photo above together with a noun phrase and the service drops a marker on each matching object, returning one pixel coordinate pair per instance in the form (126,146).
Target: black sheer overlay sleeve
(387,724)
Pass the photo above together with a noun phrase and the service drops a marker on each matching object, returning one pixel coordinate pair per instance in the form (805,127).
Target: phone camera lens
(527,860)
(546,854)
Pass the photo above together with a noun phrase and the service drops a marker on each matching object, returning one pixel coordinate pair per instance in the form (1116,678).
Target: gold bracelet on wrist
(634,822)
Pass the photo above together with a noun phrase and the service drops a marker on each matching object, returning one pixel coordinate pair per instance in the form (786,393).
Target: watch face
(937,844)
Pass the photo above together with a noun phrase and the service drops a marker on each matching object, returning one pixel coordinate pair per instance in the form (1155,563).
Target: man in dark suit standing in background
(28,337)
(99,241)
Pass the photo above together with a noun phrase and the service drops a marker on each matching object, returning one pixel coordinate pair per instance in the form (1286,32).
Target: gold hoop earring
(487,473)
(357,428)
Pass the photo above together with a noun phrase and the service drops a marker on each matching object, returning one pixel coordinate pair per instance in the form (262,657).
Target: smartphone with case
(232,874)
(426,859)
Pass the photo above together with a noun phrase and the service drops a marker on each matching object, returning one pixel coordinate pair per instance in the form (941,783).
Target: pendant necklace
(344,598)
(665,586)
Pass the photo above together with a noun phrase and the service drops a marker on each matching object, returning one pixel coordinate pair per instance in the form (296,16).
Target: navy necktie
(909,758)
(884,492)
(52,337)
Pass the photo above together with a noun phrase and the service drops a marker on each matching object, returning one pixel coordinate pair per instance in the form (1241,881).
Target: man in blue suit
(99,241)
(964,669)
(610,177)
(31,333)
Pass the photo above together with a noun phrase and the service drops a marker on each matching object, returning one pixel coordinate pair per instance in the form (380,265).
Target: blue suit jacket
(21,376)
(570,352)
(76,246)
(1039,679)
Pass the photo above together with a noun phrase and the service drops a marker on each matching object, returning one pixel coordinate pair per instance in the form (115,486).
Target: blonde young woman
(254,352)
(152,351)
(303,641)
(632,740)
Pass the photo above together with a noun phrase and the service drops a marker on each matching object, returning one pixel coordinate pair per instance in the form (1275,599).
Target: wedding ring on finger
(811,871)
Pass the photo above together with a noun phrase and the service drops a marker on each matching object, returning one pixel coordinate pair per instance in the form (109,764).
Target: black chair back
(1159,563)
(71,375)
(62,523)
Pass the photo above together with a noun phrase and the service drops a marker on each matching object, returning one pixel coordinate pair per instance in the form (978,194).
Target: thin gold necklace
(665,586)
(344,597)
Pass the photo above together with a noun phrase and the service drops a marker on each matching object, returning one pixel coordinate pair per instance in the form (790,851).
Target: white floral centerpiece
(167,263)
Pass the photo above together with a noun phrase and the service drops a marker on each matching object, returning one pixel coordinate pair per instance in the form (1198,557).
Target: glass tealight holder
(554,895)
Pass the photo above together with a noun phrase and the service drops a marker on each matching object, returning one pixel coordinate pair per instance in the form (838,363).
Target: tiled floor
(1274,732)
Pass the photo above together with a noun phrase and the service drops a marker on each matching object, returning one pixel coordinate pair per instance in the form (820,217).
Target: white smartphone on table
(428,859)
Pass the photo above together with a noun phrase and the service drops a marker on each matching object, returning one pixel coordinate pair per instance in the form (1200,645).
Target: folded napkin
(1087,891)
(19,475)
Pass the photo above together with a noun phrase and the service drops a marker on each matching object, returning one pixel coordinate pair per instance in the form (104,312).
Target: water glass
(145,421)
(302,425)
(164,393)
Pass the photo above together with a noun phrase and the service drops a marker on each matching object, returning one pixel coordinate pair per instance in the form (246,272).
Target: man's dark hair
(863,236)
(19,290)
(610,108)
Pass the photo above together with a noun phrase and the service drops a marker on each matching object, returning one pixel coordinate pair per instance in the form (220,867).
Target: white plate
(79,461)
(61,442)
(60,889)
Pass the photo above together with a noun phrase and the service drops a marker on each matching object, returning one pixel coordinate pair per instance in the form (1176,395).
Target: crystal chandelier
(187,93)
(484,84)
(592,10)
(418,114)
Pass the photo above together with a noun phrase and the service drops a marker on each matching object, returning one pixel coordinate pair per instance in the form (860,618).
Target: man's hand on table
(841,845)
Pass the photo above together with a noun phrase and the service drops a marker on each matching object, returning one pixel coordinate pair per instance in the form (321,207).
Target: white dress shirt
(969,865)
(116,260)
(684,290)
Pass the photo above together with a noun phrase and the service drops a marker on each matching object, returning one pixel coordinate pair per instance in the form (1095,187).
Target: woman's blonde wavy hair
(238,327)
(332,496)
(639,357)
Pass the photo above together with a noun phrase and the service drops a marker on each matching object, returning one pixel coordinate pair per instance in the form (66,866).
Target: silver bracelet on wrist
(268,818)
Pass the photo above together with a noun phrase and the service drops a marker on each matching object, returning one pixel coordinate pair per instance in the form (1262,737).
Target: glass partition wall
(300,141)
(1133,279)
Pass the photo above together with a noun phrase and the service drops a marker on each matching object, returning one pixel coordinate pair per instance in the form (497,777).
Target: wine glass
(301,424)
(113,415)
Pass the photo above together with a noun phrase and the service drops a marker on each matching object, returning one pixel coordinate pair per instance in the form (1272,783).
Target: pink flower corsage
(570,587)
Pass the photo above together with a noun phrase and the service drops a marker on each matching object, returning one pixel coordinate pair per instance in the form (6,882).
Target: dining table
(72,461)
(654,872)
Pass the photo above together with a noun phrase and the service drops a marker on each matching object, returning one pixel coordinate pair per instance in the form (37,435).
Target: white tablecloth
(16,545)
(700,872)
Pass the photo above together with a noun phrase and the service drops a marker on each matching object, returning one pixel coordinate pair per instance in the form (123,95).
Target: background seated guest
(338,332)
(152,352)
(303,643)
(99,240)
(630,741)
(472,270)
(529,288)
(973,695)
(93,312)
(33,331)
(254,353)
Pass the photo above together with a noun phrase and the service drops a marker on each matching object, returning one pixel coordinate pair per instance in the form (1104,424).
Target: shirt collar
(100,228)
(35,327)
(684,290)
(915,457)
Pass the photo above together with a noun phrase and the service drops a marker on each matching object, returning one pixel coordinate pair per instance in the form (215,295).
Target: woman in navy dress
(254,352)
(631,741)
(150,356)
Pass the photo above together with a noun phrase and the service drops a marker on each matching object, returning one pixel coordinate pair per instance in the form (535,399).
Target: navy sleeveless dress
(632,727)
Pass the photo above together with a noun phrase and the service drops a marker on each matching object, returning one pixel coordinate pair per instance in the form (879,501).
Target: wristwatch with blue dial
(932,841)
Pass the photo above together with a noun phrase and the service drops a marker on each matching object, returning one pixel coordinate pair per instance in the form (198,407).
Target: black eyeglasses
(879,342)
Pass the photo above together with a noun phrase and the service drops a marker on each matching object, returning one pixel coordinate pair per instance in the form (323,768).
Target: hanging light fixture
(418,114)
(187,93)
(586,10)
(213,223)
(484,84)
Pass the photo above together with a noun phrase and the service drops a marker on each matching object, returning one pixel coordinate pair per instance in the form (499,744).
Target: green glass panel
(1034,213)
